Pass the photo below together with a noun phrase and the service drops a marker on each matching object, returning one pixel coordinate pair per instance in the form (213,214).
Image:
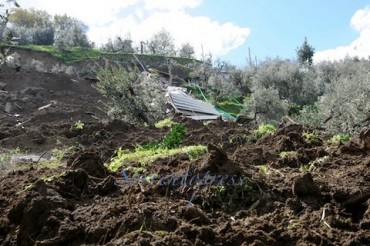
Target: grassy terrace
(77,54)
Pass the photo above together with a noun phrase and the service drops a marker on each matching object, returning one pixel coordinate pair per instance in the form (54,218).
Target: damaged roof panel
(191,107)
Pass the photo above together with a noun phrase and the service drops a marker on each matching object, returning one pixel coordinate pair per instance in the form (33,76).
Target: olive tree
(132,96)
(162,43)
(32,26)
(69,32)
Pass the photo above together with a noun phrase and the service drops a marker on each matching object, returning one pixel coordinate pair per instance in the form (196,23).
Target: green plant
(79,125)
(175,137)
(285,154)
(164,123)
(309,167)
(339,138)
(6,157)
(142,157)
(310,136)
(263,169)
(265,129)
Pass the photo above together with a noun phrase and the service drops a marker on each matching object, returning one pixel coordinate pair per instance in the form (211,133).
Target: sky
(229,29)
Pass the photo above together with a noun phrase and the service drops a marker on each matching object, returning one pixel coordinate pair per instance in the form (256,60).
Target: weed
(229,198)
(336,139)
(285,154)
(313,164)
(164,123)
(265,129)
(78,126)
(310,136)
(263,169)
(6,157)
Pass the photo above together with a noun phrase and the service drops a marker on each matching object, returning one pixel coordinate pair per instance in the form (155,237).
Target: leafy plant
(310,136)
(164,123)
(339,138)
(265,129)
(263,169)
(175,137)
(313,164)
(78,126)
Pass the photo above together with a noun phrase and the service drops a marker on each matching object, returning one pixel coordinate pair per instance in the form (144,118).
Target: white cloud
(171,4)
(147,17)
(358,48)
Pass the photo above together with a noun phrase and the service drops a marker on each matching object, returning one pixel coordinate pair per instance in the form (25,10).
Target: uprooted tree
(133,96)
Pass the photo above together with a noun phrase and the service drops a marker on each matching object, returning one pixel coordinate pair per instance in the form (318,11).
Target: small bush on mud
(265,129)
(175,137)
(164,123)
(79,125)
(314,164)
(169,141)
(336,139)
(231,198)
(310,136)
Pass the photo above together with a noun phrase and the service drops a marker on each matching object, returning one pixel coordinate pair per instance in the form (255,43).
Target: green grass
(164,123)
(144,157)
(76,54)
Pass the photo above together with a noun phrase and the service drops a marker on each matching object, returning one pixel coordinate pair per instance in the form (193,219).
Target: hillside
(71,176)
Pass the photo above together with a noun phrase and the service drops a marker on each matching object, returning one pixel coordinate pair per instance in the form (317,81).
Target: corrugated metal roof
(191,107)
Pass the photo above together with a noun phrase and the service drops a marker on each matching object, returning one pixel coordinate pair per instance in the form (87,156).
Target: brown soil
(84,203)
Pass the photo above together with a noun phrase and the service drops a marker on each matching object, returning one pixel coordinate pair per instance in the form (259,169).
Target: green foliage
(285,154)
(61,154)
(175,137)
(144,157)
(232,197)
(162,43)
(134,97)
(232,107)
(73,55)
(339,138)
(305,53)
(32,26)
(310,167)
(310,136)
(7,156)
(265,129)
(78,126)
(164,123)
(263,169)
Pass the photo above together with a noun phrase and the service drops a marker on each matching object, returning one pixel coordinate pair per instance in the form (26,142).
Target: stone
(8,107)
(3,85)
